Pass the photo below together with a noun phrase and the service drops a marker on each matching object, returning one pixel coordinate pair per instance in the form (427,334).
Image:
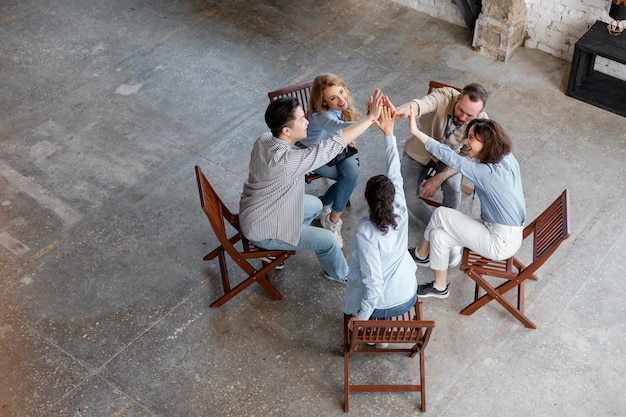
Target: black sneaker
(419,261)
(272,259)
(429,290)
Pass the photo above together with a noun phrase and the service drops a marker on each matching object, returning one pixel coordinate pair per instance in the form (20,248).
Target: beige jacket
(433,112)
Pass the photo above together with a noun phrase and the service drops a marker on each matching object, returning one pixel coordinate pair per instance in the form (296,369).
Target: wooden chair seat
(408,329)
(549,230)
(238,248)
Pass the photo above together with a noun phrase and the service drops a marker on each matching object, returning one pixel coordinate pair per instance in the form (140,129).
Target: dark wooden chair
(466,187)
(406,329)
(548,230)
(219,216)
(300,92)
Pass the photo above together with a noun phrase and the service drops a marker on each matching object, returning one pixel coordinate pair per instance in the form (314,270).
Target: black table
(594,87)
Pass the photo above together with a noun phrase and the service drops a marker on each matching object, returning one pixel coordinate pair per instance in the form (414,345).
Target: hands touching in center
(387,116)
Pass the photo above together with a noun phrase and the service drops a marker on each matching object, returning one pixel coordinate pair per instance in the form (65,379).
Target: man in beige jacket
(443,115)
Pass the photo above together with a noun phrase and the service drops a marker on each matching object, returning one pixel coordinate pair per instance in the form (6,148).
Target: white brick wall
(553,26)
(442,9)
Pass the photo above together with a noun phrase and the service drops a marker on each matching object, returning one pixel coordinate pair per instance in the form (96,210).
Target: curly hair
(316,99)
(379,193)
(496,141)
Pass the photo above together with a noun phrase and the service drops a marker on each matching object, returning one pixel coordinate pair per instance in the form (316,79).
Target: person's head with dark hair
(470,103)
(285,118)
(487,141)
(476,93)
(380,193)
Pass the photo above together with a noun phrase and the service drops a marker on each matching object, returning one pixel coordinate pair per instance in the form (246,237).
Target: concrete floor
(105,107)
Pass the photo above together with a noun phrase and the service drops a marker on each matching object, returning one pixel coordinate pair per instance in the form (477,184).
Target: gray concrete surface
(105,107)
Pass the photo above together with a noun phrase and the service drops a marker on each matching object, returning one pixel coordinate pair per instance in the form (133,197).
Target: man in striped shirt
(274,211)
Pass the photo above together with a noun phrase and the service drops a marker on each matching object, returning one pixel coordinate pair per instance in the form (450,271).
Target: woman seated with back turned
(381,281)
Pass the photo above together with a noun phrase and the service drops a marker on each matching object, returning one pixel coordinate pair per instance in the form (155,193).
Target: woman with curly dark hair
(381,282)
(497,179)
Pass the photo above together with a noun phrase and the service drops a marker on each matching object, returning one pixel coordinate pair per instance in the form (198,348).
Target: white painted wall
(553,26)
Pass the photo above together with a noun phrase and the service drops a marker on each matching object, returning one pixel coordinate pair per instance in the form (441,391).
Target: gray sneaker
(419,261)
(429,290)
(270,259)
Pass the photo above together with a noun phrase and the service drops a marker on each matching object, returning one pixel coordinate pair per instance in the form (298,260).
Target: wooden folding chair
(300,92)
(549,230)
(217,212)
(406,329)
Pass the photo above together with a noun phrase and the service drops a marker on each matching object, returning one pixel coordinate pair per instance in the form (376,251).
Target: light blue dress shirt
(498,186)
(322,124)
(382,272)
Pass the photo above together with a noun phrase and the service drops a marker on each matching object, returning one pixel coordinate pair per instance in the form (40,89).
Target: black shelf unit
(594,87)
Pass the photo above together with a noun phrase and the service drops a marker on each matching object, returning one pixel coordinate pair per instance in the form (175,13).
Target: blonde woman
(330,110)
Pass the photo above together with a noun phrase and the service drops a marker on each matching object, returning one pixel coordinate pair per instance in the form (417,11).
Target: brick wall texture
(552,26)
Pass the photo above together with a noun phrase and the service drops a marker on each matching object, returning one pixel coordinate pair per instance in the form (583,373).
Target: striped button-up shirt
(272,201)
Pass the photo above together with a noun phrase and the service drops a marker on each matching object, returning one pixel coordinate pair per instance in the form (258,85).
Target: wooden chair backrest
(406,328)
(416,332)
(436,84)
(216,211)
(300,92)
(213,207)
(549,230)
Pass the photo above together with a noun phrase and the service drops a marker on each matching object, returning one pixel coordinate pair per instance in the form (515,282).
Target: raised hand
(389,104)
(404,110)
(414,130)
(386,120)
(374,105)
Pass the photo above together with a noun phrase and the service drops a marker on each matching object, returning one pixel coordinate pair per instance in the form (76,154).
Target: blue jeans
(320,240)
(346,176)
(387,313)
(413,174)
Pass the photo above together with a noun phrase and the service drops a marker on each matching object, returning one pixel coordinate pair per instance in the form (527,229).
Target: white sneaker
(455,256)
(336,229)
(324,215)
(344,281)
(379,345)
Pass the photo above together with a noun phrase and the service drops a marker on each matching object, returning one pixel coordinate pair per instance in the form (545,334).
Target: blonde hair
(316,99)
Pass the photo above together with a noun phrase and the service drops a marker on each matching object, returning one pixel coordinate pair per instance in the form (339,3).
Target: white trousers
(448,228)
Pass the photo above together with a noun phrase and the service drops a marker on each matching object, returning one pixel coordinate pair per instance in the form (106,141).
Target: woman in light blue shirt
(381,281)
(497,182)
(330,110)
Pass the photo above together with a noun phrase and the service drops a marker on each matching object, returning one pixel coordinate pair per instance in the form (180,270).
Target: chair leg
(496,294)
(346,364)
(422,381)
(262,280)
